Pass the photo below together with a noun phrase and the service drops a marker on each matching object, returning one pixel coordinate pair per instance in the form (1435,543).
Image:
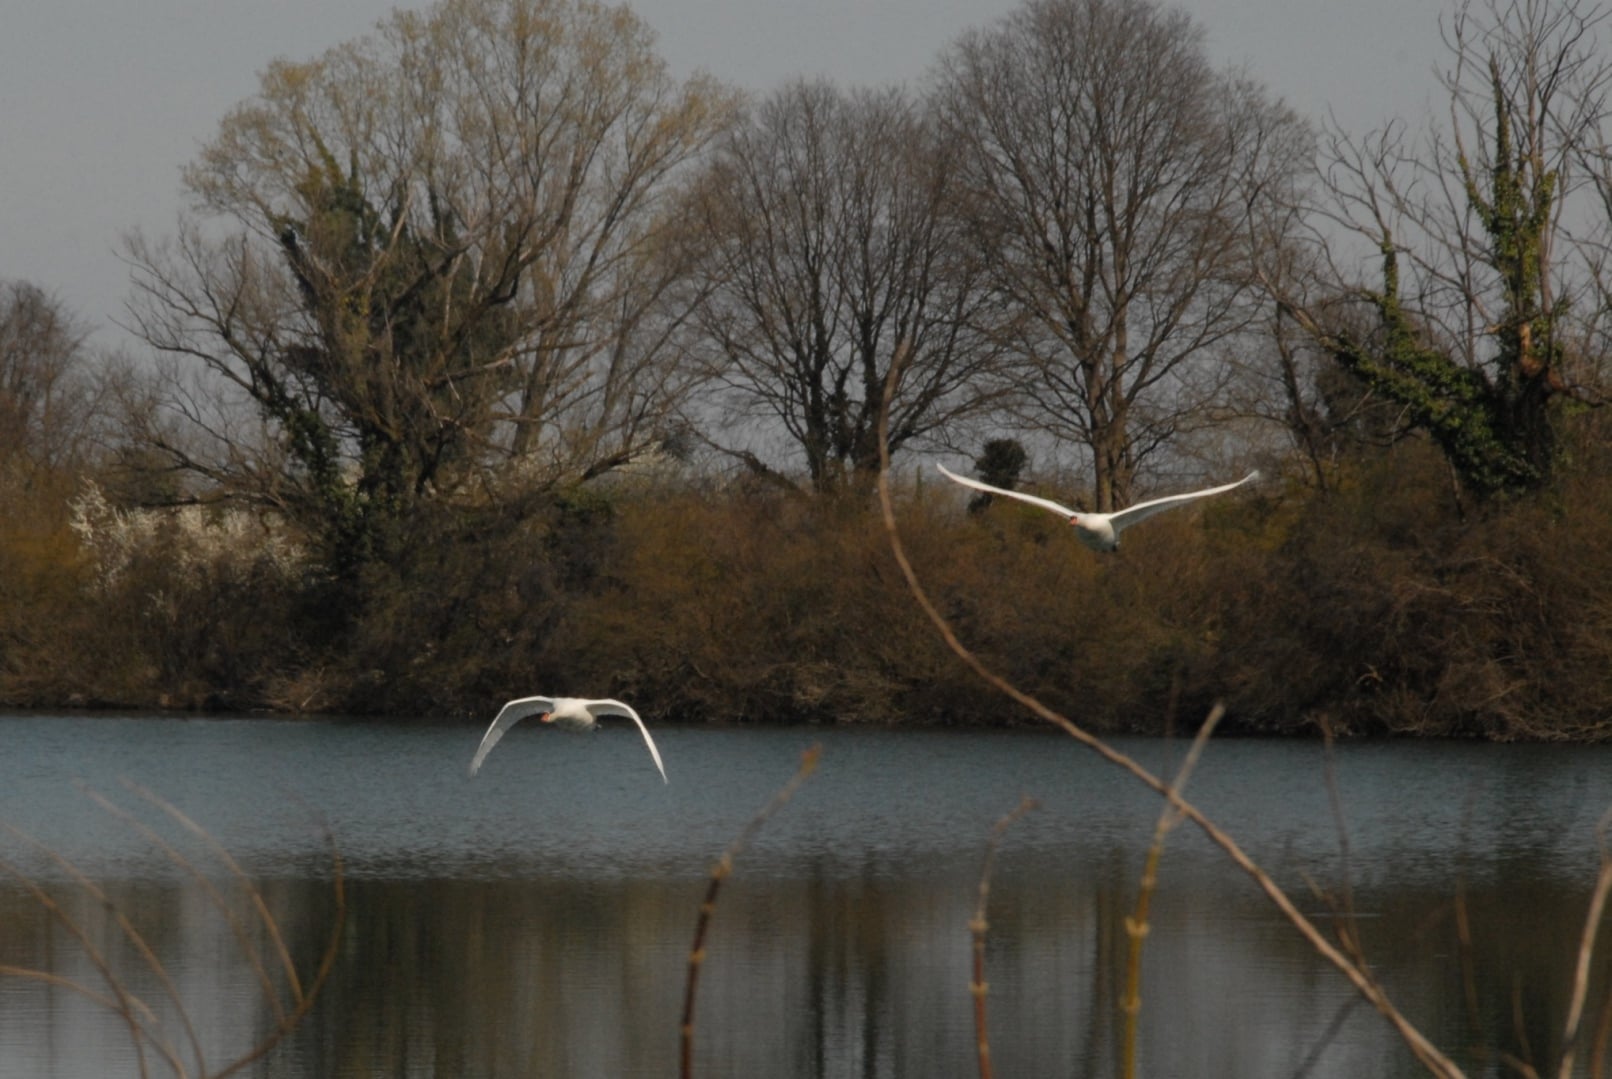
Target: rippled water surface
(537,920)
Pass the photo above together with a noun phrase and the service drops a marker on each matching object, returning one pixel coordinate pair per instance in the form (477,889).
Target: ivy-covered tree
(1472,328)
(389,394)
(999,464)
(1495,437)
(427,268)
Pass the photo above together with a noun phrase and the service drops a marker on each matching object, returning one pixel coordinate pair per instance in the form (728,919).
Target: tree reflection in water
(477,944)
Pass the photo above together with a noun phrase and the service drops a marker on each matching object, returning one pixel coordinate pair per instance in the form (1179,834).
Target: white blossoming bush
(197,542)
(193,607)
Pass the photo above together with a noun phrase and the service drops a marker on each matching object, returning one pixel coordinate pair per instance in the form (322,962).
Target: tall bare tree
(49,395)
(429,261)
(829,250)
(1107,169)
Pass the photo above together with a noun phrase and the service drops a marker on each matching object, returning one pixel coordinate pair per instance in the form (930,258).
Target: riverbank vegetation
(454,394)
(1376,607)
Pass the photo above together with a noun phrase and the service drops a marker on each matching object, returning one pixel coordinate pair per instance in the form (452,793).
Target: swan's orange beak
(546,717)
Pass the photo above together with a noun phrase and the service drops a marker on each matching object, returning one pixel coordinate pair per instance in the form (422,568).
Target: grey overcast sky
(102,102)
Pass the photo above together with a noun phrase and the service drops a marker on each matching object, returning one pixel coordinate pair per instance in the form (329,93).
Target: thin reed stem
(222,853)
(144,1026)
(720,872)
(1603,1033)
(1346,927)
(1136,926)
(130,933)
(59,981)
(1464,948)
(327,963)
(1586,952)
(977,927)
(121,1001)
(1521,1061)
(225,909)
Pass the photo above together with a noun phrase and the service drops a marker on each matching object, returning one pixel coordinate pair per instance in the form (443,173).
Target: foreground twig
(719,873)
(243,939)
(977,927)
(1586,951)
(1136,926)
(271,926)
(1425,1051)
(121,1001)
(327,963)
(1603,1031)
(130,933)
(142,1021)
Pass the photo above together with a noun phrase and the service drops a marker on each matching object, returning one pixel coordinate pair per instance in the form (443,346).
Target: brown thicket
(1382,605)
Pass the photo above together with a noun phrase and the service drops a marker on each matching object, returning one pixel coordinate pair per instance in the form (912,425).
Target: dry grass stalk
(1346,924)
(1603,1033)
(130,933)
(1424,1050)
(243,938)
(977,927)
(270,925)
(1519,1062)
(1586,951)
(1464,949)
(144,1026)
(1136,926)
(720,872)
(142,1029)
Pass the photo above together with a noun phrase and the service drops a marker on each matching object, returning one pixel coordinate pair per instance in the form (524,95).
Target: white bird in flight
(567,713)
(1100,531)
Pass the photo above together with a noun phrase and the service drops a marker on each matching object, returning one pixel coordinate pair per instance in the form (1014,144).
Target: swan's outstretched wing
(1044,503)
(617,708)
(1143,510)
(509,715)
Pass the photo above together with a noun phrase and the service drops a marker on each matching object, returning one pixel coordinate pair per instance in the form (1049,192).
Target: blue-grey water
(537,920)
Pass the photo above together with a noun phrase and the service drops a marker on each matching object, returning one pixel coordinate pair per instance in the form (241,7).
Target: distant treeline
(1380,606)
(490,358)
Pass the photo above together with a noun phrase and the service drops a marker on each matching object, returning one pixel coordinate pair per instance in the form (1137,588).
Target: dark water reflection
(536,921)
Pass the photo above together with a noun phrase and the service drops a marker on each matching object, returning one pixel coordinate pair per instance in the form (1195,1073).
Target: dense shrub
(42,574)
(1393,608)
(1384,605)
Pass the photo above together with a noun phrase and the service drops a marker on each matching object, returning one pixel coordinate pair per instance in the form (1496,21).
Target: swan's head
(546,717)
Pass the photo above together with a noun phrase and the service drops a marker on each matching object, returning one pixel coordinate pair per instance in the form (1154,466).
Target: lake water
(537,920)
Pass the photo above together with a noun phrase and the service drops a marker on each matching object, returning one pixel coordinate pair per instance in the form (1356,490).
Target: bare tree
(1487,240)
(1107,170)
(829,250)
(429,263)
(49,391)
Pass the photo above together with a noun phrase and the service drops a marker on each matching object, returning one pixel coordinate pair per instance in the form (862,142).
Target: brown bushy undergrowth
(42,582)
(1383,605)
(1390,609)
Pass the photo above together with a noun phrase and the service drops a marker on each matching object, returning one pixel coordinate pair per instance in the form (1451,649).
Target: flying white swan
(1100,531)
(567,713)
